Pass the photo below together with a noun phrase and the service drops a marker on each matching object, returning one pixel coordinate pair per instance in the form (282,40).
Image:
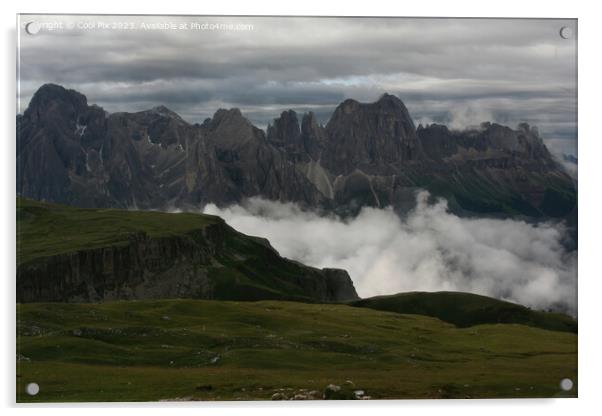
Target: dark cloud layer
(457,71)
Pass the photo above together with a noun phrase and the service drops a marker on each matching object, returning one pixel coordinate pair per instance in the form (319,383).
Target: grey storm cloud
(428,250)
(457,71)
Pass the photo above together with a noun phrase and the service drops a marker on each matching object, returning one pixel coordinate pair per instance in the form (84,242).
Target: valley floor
(221,350)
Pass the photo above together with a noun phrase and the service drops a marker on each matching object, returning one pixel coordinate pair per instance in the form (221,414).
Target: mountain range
(367,154)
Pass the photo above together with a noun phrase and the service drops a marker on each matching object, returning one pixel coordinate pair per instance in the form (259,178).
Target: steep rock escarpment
(84,255)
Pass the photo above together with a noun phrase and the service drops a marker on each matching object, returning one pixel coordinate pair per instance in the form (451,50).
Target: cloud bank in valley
(429,250)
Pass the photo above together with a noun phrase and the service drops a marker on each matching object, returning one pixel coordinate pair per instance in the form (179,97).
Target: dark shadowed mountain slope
(67,254)
(72,153)
(467,309)
(366,155)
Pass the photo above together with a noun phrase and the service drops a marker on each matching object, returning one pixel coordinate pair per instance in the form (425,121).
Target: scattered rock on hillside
(279,396)
(335,392)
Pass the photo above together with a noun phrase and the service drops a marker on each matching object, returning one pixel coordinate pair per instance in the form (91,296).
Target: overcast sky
(455,71)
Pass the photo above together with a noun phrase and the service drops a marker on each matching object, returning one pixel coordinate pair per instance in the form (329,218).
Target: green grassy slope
(467,309)
(217,350)
(45,229)
(241,267)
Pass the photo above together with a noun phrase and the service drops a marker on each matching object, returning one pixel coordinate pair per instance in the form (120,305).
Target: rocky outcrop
(209,262)
(491,141)
(143,268)
(313,136)
(339,286)
(233,160)
(370,137)
(366,155)
(286,133)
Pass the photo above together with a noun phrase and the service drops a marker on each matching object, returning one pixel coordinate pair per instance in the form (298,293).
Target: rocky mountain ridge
(366,155)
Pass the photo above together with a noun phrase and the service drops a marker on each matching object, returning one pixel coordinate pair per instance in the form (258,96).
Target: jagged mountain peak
(493,140)
(374,134)
(230,130)
(56,92)
(310,116)
(386,102)
(289,113)
(288,118)
(231,115)
(387,98)
(310,124)
(366,154)
(432,126)
(388,105)
(285,129)
(163,111)
(348,106)
(56,99)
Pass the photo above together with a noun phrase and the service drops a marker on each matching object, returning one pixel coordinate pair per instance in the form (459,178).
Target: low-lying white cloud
(428,250)
(466,117)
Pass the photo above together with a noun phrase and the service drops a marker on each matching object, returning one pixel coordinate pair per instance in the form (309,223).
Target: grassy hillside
(45,229)
(217,350)
(467,309)
(64,251)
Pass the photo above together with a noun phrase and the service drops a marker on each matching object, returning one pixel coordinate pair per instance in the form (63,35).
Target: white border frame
(590,150)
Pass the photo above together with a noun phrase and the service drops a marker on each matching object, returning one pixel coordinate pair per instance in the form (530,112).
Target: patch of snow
(80,129)
(100,157)
(87,162)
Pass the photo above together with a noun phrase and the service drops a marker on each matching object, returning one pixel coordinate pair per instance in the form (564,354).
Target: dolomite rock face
(367,154)
(370,137)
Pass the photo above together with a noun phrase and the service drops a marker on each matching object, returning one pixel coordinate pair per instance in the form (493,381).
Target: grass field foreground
(222,350)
